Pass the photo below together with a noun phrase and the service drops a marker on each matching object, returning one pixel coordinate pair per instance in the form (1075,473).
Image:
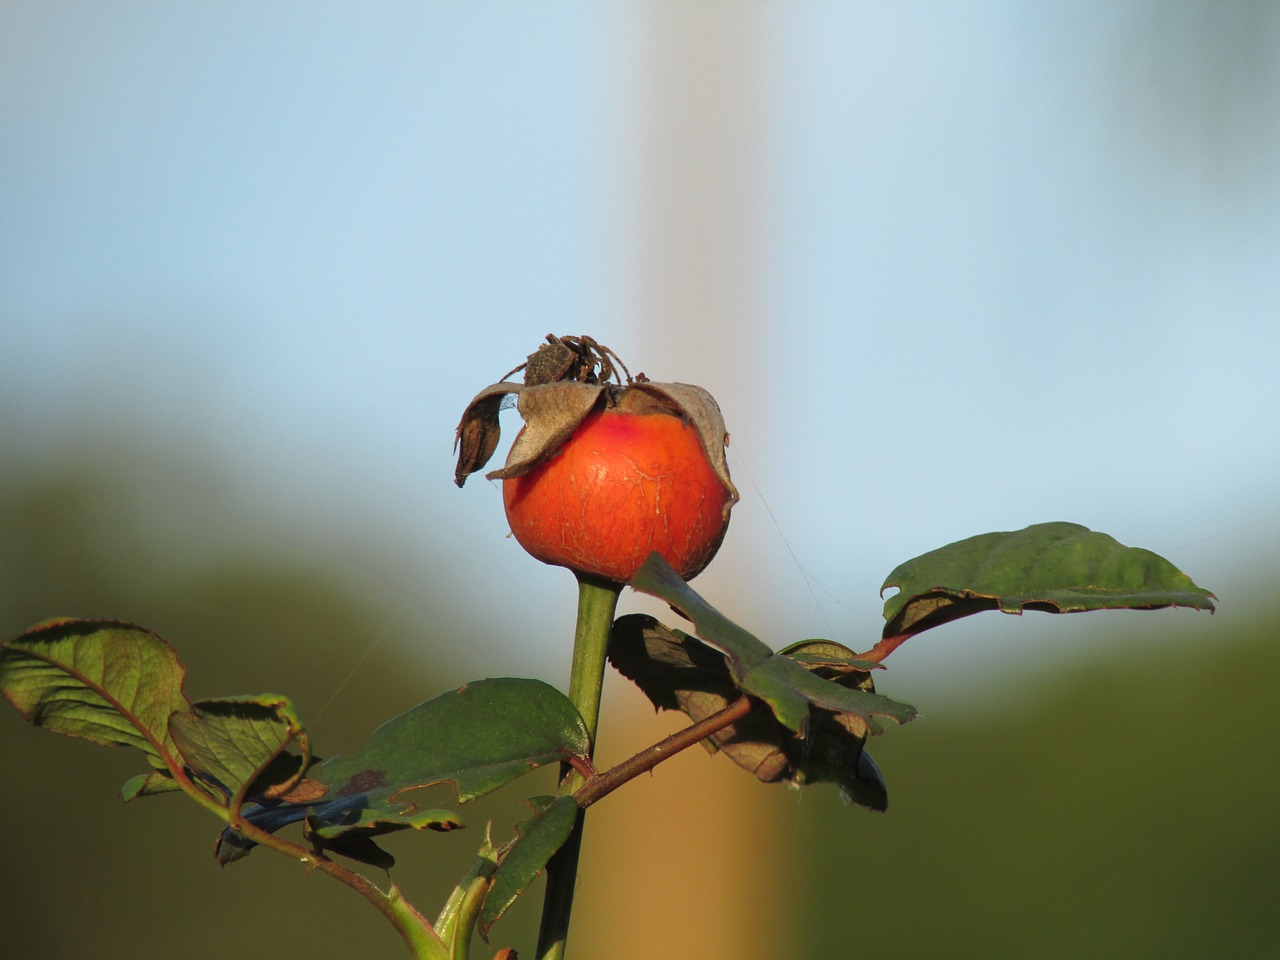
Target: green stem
(416,932)
(462,910)
(597,601)
(413,928)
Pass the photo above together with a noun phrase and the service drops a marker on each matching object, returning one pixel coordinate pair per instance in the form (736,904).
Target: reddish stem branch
(586,769)
(885,647)
(605,783)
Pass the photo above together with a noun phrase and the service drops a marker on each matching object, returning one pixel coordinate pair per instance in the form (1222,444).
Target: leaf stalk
(413,928)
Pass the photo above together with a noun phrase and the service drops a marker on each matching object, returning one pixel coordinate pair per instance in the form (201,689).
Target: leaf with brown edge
(237,746)
(1052,567)
(679,672)
(105,681)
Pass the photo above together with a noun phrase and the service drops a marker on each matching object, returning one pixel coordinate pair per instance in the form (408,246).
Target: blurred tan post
(673,863)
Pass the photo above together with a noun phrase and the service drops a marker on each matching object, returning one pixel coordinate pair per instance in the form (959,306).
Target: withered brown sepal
(553,409)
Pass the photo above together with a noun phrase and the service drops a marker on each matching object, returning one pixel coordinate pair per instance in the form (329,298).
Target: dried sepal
(478,432)
(699,408)
(565,380)
(551,412)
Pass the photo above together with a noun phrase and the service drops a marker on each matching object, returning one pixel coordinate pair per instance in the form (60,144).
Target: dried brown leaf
(551,412)
(478,432)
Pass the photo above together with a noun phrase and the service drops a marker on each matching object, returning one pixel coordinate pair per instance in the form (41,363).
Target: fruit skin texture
(624,485)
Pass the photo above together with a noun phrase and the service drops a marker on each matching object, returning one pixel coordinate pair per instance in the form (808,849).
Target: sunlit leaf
(149,785)
(229,744)
(1054,567)
(104,681)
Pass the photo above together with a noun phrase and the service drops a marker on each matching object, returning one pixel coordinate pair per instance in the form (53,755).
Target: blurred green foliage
(250,609)
(1126,811)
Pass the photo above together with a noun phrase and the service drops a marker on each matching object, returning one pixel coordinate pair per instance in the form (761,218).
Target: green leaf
(230,743)
(657,577)
(116,684)
(149,785)
(679,672)
(524,858)
(478,737)
(833,752)
(1054,567)
(104,681)
(784,684)
(354,838)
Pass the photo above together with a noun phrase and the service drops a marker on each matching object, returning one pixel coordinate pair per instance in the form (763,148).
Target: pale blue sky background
(1021,263)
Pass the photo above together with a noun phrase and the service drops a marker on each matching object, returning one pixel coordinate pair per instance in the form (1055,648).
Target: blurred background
(947,268)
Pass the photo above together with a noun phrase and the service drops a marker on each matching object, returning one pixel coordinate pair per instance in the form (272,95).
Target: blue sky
(1017,264)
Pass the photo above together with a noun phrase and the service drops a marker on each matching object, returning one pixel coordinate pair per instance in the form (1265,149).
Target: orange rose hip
(623,485)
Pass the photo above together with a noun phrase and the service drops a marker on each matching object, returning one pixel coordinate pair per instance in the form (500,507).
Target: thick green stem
(597,601)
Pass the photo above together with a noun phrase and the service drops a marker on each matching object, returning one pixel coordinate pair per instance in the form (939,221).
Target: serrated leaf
(1054,567)
(679,672)
(230,743)
(525,857)
(105,681)
(477,738)
(784,684)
